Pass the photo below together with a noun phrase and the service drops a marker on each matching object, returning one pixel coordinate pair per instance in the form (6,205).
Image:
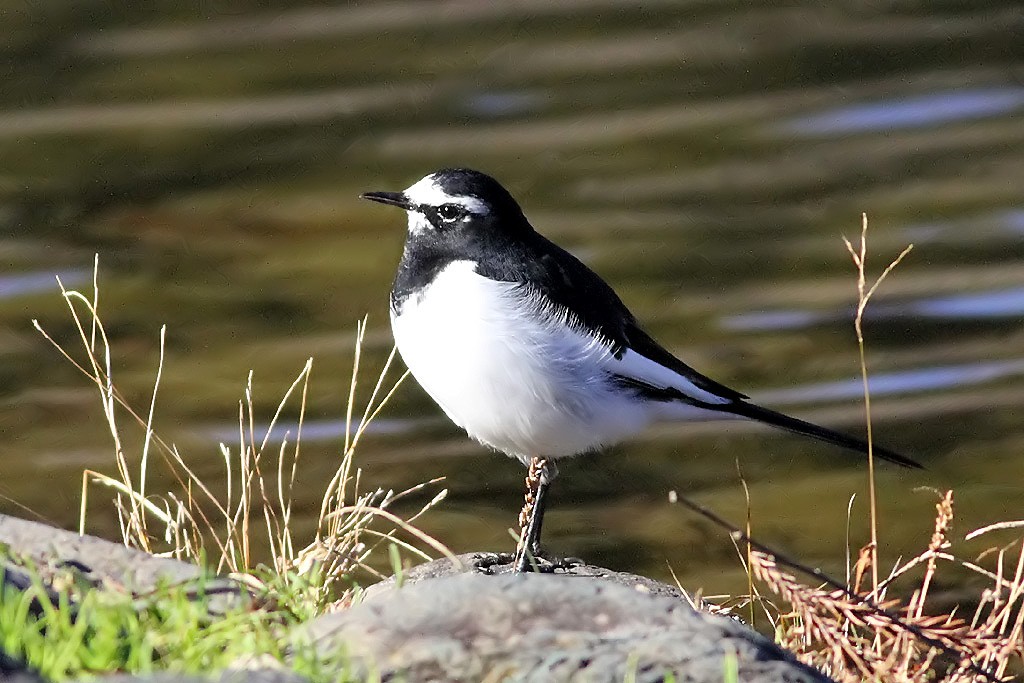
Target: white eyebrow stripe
(472,204)
(429,193)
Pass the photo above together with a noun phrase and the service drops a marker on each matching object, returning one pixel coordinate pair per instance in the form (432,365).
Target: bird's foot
(511,563)
(492,563)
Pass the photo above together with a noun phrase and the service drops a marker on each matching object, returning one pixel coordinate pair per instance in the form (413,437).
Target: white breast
(508,371)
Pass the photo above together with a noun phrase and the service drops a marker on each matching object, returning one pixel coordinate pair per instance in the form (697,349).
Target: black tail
(792,424)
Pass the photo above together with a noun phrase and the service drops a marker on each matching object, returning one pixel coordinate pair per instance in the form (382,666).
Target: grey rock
(19,677)
(229,676)
(15,671)
(544,628)
(46,547)
(502,564)
(31,548)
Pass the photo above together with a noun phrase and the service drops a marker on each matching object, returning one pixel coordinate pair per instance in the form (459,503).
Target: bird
(531,352)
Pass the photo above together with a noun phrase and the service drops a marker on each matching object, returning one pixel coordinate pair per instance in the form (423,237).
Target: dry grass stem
(864,294)
(254,514)
(857,634)
(859,631)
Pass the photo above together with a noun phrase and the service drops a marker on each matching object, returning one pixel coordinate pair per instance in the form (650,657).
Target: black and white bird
(529,350)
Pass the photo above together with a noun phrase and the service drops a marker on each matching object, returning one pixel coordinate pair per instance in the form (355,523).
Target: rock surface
(15,671)
(57,556)
(31,549)
(498,564)
(46,548)
(443,624)
(449,621)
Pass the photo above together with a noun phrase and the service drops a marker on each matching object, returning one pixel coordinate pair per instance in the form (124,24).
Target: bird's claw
(504,563)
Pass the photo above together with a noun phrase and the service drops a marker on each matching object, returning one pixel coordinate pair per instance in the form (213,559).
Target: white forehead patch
(428,192)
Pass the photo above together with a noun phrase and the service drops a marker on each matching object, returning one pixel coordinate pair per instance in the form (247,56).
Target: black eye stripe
(446,213)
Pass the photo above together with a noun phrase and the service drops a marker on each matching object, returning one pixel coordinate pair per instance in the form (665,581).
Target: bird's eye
(450,212)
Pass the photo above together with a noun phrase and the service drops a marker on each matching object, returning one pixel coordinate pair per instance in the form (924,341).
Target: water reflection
(43,281)
(897,383)
(912,112)
(314,431)
(498,104)
(1014,221)
(1001,303)
(213,158)
(998,304)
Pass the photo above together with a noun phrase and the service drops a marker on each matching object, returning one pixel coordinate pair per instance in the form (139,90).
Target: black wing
(568,283)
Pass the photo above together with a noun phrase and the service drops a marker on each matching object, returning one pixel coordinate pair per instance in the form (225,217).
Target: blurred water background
(704,156)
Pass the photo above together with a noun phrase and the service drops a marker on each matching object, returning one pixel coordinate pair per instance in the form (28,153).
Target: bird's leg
(531,517)
(537,519)
(532,481)
(529,504)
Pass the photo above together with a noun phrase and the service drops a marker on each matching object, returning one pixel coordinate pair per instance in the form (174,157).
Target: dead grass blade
(255,509)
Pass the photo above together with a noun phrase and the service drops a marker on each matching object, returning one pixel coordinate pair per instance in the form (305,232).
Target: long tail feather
(798,426)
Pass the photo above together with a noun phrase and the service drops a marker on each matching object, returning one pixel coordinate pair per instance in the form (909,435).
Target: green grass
(173,628)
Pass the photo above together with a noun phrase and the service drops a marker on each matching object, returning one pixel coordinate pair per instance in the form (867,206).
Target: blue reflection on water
(32,283)
(503,103)
(319,430)
(896,383)
(1013,220)
(1000,303)
(912,112)
(777,320)
(992,224)
(994,304)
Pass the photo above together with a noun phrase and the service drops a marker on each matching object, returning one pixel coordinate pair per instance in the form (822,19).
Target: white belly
(504,371)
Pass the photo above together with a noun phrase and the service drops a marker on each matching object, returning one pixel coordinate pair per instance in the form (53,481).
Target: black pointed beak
(390,198)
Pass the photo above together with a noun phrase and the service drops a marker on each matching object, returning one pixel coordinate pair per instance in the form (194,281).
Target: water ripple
(40,281)
(912,112)
(319,430)
(897,383)
(992,304)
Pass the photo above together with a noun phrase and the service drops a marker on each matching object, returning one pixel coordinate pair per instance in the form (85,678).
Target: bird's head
(456,200)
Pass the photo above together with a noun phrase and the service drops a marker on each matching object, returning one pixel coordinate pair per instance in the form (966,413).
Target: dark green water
(705,157)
